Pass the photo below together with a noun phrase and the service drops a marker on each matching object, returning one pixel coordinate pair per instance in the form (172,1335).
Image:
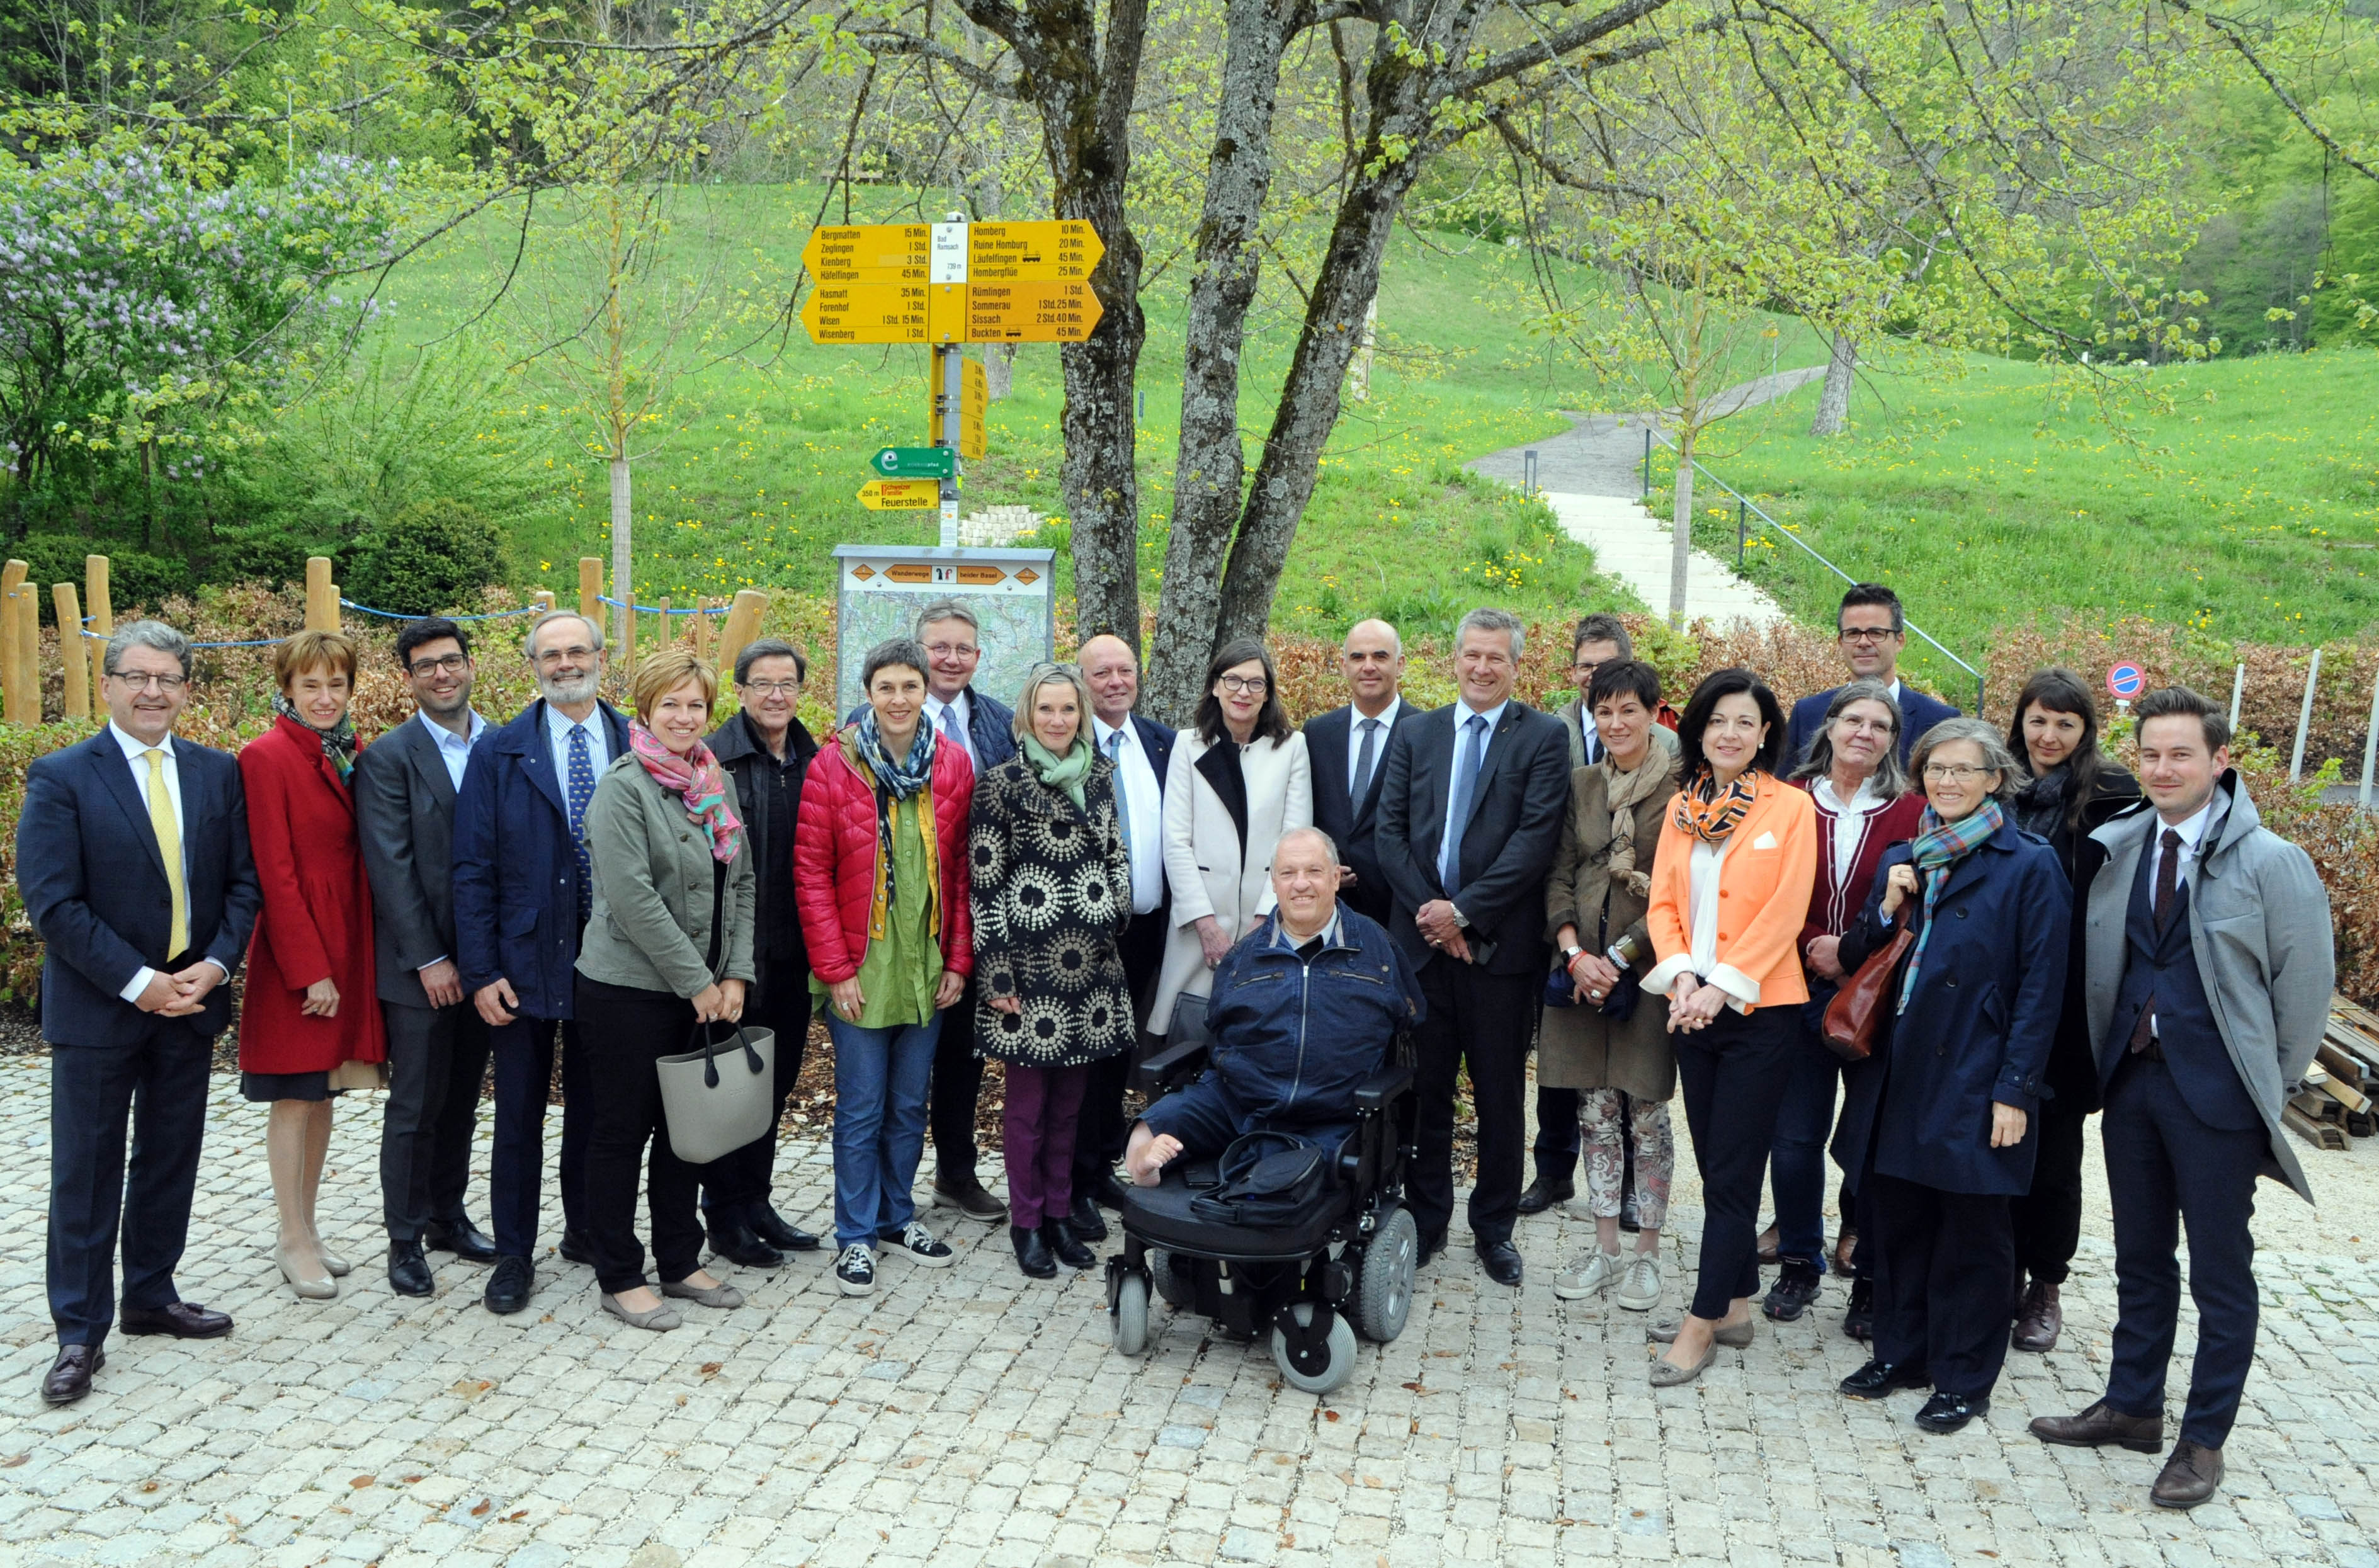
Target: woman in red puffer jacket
(880,875)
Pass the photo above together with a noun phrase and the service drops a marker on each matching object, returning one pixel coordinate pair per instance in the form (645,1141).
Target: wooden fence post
(543,599)
(18,685)
(322,595)
(743,625)
(590,589)
(702,629)
(69,608)
(102,615)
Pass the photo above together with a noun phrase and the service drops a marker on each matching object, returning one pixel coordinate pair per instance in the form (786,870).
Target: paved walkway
(1592,476)
(970,1417)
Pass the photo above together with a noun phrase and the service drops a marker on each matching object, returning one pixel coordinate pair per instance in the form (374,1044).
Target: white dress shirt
(956,708)
(1356,719)
(1144,800)
(1849,819)
(557,733)
(1586,731)
(136,756)
(2193,833)
(1701,905)
(454,750)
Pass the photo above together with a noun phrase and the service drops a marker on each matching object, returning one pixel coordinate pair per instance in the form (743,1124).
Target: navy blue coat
(516,870)
(1978,1029)
(93,882)
(1919,711)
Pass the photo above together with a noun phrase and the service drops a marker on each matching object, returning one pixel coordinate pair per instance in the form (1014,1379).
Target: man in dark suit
(1346,746)
(132,860)
(2200,1040)
(1142,750)
(1469,817)
(522,889)
(1872,630)
(405,784)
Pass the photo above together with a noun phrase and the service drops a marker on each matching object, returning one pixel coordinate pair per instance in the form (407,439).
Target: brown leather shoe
(2103,1423)
(183,1319)
(2038,1319)
(69,1376)
(1769,1239)
(1846,1248)
(2191,1476)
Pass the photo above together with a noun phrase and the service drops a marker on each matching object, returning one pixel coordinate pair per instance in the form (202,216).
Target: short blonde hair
(1044,674)
(313,650)
(664,670)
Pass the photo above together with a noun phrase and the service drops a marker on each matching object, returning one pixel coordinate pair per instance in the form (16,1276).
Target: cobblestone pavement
(968,1416)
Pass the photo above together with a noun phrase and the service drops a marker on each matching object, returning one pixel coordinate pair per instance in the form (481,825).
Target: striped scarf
(338,741)
(1710,813)
(1939,846)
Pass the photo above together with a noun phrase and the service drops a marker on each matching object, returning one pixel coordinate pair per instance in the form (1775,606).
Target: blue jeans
(880,1077)
(1805,1120)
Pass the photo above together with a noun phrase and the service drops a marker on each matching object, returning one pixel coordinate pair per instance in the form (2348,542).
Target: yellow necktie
(169,844)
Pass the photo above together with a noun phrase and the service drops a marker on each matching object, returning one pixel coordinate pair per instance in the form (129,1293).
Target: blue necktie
(581,794)
(1466,757)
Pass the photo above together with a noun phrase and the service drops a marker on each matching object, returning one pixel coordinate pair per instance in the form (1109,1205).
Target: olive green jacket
(650,925)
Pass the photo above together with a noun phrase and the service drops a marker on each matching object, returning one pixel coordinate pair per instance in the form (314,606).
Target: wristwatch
(1569,954)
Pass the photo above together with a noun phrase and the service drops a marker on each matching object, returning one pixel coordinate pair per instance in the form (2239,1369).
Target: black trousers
(623,1030)
(1940,1283)
(1731,1076)
(1484,1022)
(1558,1142)
(2048,1219)
(2165,1167)
(747,1175)
(1102,1132)
(957,1088)
(161,1083)
(437,1059)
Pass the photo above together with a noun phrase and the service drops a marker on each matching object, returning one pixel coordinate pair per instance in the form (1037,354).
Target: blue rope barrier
(261,643)
(394,615)
(651,609)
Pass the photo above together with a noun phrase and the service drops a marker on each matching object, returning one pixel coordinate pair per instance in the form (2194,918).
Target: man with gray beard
(522,888)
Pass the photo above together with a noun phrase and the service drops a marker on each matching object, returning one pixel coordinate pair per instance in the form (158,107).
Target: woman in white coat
(1237,782)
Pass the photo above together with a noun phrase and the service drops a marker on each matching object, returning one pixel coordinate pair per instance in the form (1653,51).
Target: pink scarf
(697,779)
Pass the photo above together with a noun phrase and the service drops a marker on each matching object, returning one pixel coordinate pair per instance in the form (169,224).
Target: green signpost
(917,463)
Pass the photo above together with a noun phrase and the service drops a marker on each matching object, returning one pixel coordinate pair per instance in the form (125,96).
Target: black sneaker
(854,1269)
(1796,1286)
(919,1246)
(1859,1321)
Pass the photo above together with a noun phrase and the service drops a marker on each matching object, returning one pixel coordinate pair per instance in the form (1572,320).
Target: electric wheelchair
(1347,1268)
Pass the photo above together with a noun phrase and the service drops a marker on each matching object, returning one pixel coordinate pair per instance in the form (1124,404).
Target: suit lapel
(1328,743)
(536,760)
(115,777)
(1496,751)
(421,751)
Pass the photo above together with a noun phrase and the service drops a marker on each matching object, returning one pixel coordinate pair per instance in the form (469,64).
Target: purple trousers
(1045,1105)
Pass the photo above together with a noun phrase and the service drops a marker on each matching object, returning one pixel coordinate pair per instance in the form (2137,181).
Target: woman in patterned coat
(1051,890)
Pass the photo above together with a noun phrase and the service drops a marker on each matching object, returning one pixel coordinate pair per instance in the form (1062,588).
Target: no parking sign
(2126,680)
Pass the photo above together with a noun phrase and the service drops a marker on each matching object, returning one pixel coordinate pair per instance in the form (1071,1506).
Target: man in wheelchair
(1304,1009)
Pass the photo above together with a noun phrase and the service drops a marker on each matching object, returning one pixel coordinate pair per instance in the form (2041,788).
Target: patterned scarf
(1710,813)
(893,785)
(1940,845)
(1624,792)
(903,778)
(698,783)
(338,742)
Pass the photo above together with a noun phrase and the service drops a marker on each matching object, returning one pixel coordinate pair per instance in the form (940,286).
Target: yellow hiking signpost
(900,495)
(944,285)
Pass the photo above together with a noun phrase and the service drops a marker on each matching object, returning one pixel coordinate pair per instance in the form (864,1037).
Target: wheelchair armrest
(1379,1090)
(1164,1069)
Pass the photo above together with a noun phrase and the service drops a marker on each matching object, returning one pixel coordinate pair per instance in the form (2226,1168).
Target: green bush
(265,551)
(134,577)
(436,556)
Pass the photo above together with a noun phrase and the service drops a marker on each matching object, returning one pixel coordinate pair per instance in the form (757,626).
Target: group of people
(1650,900)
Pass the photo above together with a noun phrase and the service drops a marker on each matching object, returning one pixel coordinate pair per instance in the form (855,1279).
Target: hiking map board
(880,588)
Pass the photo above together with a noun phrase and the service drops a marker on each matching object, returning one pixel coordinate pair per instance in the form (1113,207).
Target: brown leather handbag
(1858,1006)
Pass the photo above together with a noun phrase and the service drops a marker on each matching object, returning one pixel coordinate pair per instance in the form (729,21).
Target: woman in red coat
(309,1012)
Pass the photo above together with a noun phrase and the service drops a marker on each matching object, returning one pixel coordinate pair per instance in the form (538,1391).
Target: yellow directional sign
(869,253)
(974,403)
(900,495)
(1052,250)
(1030,312)
(866,313)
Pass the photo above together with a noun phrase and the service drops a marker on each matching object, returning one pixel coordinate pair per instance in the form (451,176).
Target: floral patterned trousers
(1645,1123)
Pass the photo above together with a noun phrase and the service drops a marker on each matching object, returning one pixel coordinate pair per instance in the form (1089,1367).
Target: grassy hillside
(752,473)
(2249,511)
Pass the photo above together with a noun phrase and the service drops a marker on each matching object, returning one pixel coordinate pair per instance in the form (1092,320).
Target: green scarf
(1068,772)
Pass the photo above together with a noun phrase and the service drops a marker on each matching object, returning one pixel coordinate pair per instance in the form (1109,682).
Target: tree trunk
(999,372)
(1681,539)
(1081,88)
(1834,400)
(623,556)
(1210,467)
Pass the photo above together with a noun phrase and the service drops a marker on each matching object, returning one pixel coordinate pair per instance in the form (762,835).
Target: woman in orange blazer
(1730,889)
(309,1010)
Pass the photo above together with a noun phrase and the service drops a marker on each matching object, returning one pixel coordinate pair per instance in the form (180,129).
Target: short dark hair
(1601,627)
(1871,593)
(1624,678)
(1729,683)
(768,647)
(2173,701)
(892,651)
(428,629)
(1272,720)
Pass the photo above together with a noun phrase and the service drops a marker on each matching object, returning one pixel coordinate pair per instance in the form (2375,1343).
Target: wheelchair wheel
(1383,1292)
(1338,1349)
(1130,1323)
(1171,1288)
